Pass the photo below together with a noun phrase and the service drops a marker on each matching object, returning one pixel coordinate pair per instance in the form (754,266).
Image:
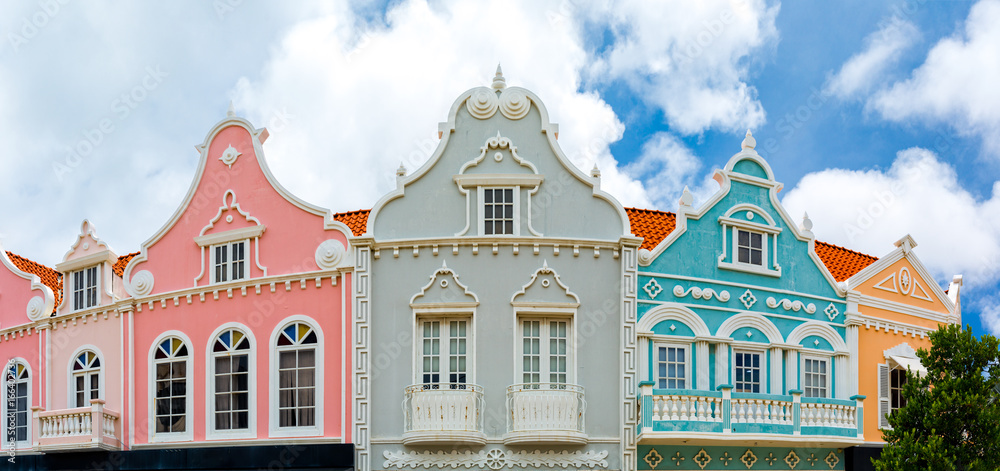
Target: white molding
(86,261)
(274,430)
(749,319)
(546,270)
(740,285)
(229,265)
(444,270)
(672,312)
(251,431)
(496,458)
(48,300)
(903,250)
(819,329)
(234,235)
(188,434)
(498,180)
(893,306)
(86,229)
(68,291)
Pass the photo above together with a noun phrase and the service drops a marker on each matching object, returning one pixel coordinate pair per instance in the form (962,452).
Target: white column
(721,364)
(644,359)
(851,375)
(840,385)
(792,370)
(701,354)
(775,373)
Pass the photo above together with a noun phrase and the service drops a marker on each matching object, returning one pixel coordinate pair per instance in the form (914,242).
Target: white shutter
(883,396)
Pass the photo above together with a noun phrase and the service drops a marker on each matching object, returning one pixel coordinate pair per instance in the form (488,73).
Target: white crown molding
(229,236)
(904,249)
(495,459)
(87,260)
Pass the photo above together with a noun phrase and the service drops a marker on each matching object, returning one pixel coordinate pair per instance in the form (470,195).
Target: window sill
(747,268)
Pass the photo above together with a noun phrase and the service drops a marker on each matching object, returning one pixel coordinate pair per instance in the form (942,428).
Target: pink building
(227,335)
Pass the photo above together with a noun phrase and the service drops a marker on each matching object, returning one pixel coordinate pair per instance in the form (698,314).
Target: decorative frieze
(495,459)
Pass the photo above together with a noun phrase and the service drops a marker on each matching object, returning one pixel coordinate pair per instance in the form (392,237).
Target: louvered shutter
(883,396)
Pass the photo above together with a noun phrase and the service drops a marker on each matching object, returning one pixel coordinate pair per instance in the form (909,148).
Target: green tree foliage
(951,420)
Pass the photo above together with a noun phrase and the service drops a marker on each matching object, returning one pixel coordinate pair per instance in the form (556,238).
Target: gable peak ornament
(499,83)
(231,112)
(749,143)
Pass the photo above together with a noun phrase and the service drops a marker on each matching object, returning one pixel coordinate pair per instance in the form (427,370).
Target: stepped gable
(654,226)
(843,263)
(357,221)
(50,277)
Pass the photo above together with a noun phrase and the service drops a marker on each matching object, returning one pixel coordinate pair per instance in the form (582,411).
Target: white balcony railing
(545,413)
(91,427)
(451,412)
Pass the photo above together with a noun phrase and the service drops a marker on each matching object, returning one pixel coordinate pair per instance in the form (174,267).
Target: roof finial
(807,224)
(499,83)
(749,142)
(595,172)
(687,199)
(231,112)
(401,171)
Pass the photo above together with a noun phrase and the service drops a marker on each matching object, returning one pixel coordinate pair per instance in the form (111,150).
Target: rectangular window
(88,386)
(750,247)
(747,372)
(671,366)
(229,261)
(546,347)
(16,419)
(297,387)
(232,392)
(814,375)
(85,288)
(454,334)
(171,396)
(498,206)
(897,379)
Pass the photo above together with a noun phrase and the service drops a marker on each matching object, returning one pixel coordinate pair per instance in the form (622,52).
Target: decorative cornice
(495,459)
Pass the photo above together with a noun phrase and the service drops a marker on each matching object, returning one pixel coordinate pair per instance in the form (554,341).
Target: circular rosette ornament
(329,254)
(482,104)
(142,283)
(514,104)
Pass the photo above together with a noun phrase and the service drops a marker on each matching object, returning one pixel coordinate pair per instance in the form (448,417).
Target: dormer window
(498,211)
(84,288)
(229,261)
(750,247)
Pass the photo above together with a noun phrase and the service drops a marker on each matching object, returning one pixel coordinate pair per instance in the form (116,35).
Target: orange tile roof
(49,276)
(843,263)
(119,266)
(654,226)
(356,220)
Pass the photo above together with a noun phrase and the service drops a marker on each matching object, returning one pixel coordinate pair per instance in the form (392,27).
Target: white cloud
(864,69)
(665,167)
(989,314)
(957,83)
(867,210)
(690,58)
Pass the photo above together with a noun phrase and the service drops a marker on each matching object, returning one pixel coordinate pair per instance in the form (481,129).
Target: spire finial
(401,171)
(807,224)
(749,142)
(687,199)
(231,111)
(499,83)
(595,172)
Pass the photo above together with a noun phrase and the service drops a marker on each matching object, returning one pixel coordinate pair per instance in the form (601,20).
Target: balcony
(443,413)
(82,428)
(545,413)
(723,416)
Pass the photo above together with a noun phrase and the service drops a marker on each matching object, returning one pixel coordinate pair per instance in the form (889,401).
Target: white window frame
(188,433)
(229,263)
(544,372)
(96,287)
(730,248)
(481,198)
(274,417)
(737,247)
(688,376)
(444,352)
(251,430)
(828,389)
(6,418)
(903,381)
(756,350)
(71,376)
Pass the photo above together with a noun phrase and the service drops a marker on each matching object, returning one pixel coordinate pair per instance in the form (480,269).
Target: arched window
(15,419)
(170,364)
(296,347)
(86,378)
(231,379)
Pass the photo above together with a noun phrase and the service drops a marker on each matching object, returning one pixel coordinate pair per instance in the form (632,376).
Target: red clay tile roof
(842,263)
(654,226)
(356,220)
(119,266)
(49,276)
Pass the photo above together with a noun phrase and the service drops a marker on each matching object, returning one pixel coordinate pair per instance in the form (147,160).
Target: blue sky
(881,118)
